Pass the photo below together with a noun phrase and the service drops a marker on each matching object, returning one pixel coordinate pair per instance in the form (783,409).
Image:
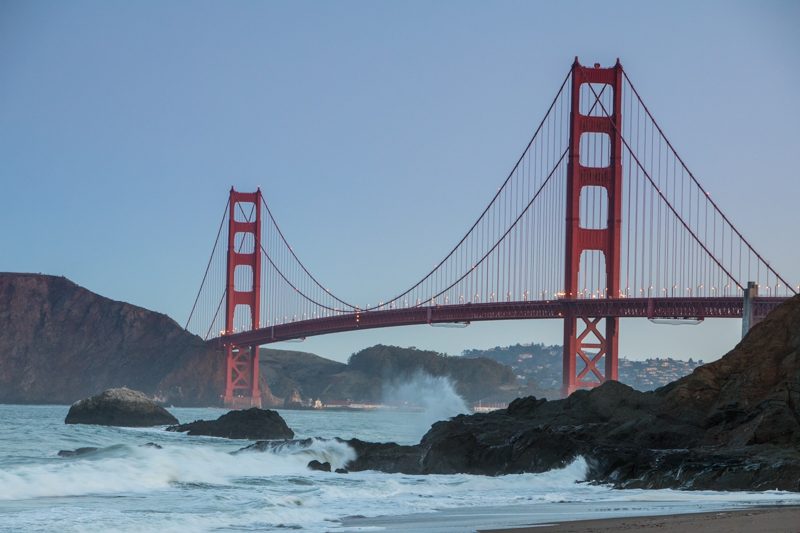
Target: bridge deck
(722,307)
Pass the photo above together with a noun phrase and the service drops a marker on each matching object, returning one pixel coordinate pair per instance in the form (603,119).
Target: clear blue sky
(377,130)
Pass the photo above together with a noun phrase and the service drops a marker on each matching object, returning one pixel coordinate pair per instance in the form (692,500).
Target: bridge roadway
(656,308)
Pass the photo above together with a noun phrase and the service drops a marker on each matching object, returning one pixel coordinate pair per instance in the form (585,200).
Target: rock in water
(77,452)
(251,424)
(316,465)
(119,407)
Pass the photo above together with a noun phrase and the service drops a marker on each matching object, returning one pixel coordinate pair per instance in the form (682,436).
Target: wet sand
(760,520)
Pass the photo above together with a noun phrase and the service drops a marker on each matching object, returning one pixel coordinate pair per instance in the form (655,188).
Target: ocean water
(197,484)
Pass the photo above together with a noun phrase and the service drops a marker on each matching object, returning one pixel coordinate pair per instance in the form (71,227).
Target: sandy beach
(761,520)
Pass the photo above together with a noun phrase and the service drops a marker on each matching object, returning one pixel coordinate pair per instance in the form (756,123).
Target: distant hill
(367,372)
(288,371)
(60,342)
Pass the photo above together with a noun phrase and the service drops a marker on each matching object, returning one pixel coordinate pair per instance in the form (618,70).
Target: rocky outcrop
(732,424)
(387,457)
(250,424)
(119,407)
(316,465)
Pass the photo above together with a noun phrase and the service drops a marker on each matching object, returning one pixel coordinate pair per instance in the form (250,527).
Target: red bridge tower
(589,344)
(242,377)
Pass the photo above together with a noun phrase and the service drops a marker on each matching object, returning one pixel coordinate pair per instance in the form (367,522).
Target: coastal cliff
(60,342)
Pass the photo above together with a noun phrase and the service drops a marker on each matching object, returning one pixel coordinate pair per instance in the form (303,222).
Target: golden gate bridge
(599,219)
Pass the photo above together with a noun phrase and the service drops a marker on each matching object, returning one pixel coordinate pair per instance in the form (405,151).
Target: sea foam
(125,469)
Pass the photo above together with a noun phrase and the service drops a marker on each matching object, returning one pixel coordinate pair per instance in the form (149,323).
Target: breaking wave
(123,468)
(435,395)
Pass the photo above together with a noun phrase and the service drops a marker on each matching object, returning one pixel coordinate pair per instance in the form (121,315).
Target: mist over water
(435,395)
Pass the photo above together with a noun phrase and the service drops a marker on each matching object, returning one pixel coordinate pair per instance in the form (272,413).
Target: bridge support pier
(584,343)
(242,389)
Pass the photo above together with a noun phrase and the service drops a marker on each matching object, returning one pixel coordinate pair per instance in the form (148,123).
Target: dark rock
(385,457)
(119,407)
(250,423)
(731,425)
(341,471)
(152,445)
(316,465)
(524,406)
(76,452)
(275,446)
